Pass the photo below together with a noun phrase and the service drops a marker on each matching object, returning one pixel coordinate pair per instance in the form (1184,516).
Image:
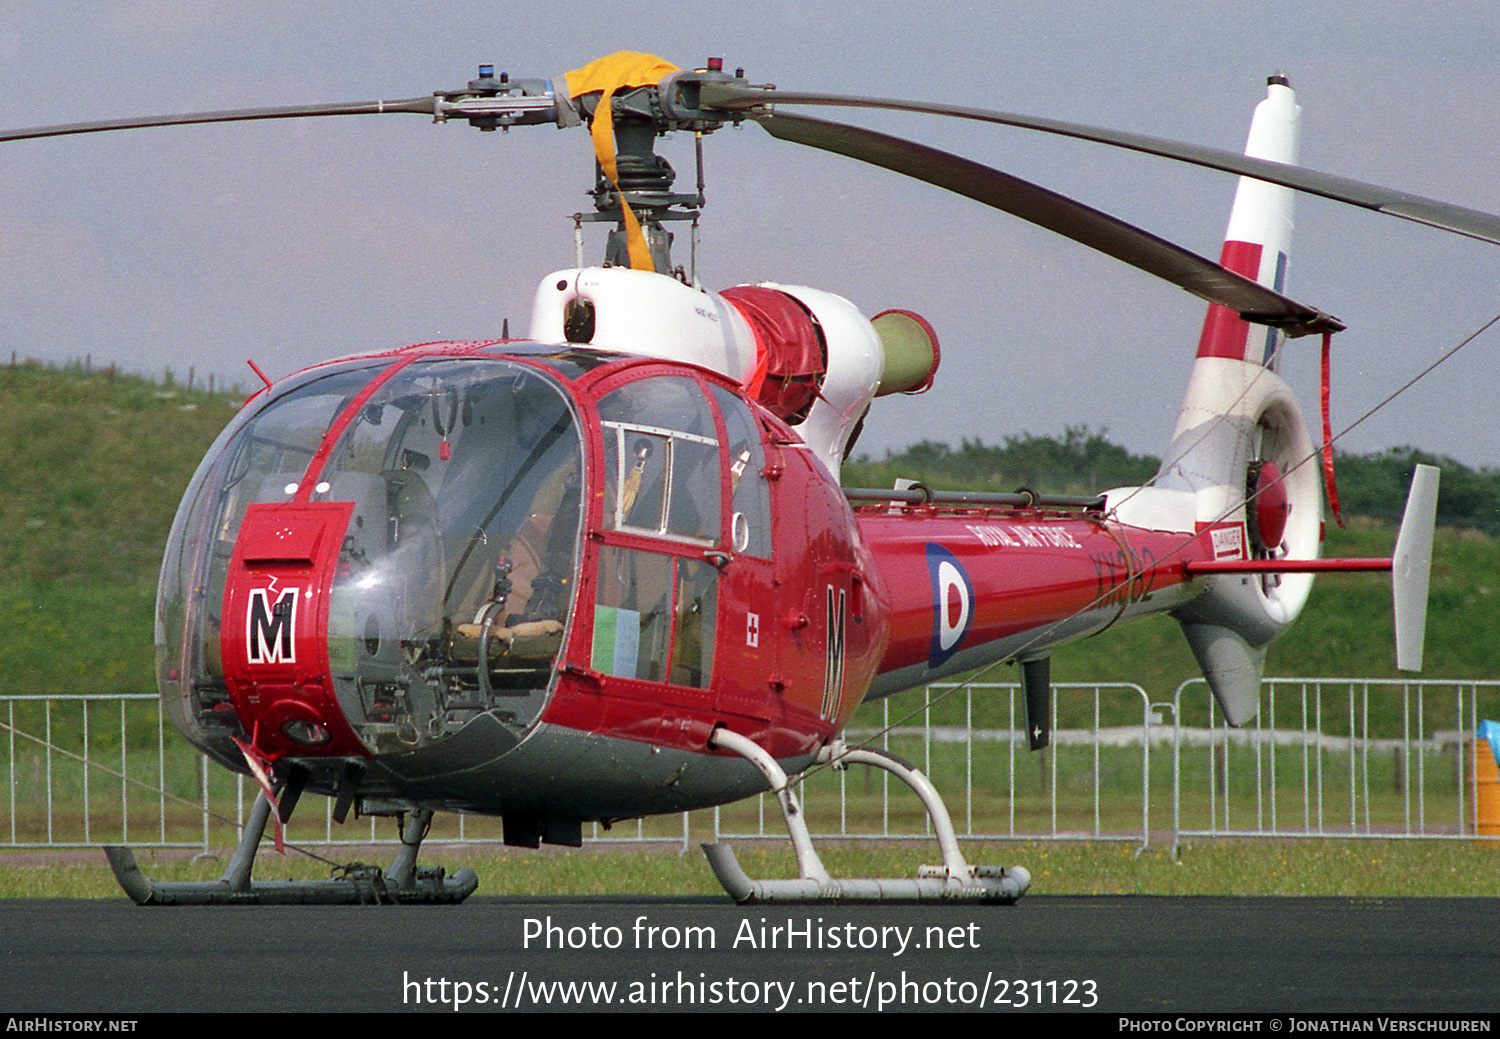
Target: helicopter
(607,570)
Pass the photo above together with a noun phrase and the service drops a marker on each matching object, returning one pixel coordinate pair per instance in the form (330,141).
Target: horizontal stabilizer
(1411,567)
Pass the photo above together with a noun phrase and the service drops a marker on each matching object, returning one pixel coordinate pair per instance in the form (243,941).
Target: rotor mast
(638,115)
(643,179)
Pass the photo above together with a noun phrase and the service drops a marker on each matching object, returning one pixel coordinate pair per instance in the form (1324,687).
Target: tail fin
(1259,237)
(1240,436)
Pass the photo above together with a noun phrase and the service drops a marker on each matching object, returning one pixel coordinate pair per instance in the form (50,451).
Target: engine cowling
(808,356)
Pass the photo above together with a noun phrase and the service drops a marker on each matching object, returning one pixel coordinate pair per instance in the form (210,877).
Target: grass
(1371,869)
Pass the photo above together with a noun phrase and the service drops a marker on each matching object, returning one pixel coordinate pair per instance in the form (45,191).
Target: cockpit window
(750,498)
(269,457)
(661,460)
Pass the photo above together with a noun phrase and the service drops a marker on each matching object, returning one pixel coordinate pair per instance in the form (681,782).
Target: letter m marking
(269,627)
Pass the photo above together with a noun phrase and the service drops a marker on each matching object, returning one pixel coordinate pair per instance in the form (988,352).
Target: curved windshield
(261,457)
(462,545)
(464,480)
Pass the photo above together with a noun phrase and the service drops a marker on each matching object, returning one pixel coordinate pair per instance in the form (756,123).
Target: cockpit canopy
(356,544)
(462,478)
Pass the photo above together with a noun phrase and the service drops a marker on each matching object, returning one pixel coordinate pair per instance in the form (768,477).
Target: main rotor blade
(418,105)
(1443,215)
(1110,235)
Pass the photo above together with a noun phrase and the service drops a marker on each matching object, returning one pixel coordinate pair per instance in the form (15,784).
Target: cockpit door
(662,533)
(749,646)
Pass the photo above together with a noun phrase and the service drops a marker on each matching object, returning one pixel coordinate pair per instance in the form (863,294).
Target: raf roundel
(952,603)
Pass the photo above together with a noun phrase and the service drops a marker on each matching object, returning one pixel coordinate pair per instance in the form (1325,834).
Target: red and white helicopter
(608,570)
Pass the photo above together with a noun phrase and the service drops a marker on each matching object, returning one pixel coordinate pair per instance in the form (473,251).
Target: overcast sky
(295,241)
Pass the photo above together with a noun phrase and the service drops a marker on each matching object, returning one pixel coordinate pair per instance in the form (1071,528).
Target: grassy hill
(94,464)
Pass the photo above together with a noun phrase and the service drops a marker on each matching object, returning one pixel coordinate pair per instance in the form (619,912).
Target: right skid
(955,880)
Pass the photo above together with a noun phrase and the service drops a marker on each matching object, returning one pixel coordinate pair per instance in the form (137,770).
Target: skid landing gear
(403,883)
(955,880)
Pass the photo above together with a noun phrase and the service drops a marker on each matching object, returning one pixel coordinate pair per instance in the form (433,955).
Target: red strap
(1333,491)
(260,769)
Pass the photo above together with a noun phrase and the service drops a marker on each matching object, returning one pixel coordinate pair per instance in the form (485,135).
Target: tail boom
(969,587)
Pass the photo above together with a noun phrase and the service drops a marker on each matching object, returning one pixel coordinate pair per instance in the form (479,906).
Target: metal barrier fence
(1093,783)
(1333,757)
(1326,758)
(84,771)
